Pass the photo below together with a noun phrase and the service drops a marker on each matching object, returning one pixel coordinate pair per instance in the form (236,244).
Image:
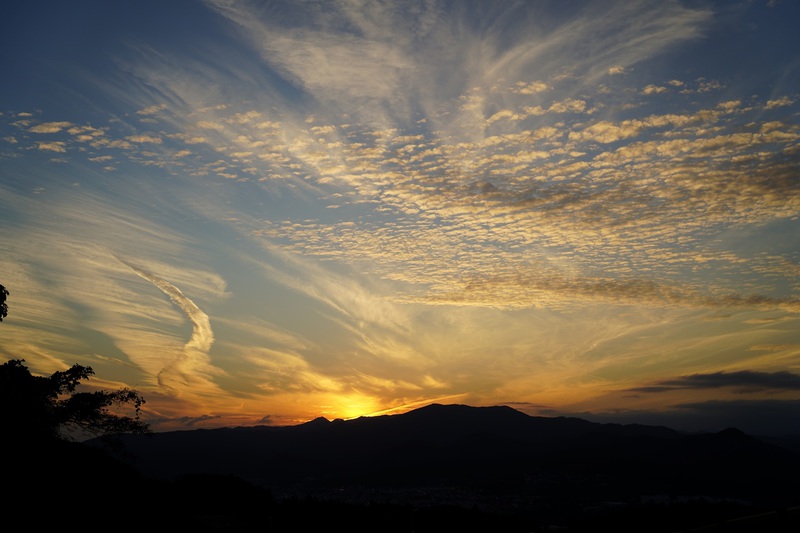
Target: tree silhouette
(47,474)
(3,304)
(43,409)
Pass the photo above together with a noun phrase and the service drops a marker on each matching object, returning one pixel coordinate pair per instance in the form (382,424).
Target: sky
(261,213)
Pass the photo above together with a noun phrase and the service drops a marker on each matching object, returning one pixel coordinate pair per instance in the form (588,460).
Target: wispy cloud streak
(195,359)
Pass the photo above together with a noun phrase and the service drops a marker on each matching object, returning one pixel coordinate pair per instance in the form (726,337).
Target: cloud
(746,380)
(779,102)
(152,110)
(202,335)
(367,62)
(369,59)
(145,138)
(54,146)
(344,294)
(654,89)
(544,194)
(556,290)
(209,125)
(50,127)
(775,347)
(531,87)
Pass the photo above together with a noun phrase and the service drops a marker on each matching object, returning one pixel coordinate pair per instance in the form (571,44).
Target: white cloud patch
(50,127)
(144,138)
(152,110)
(54,146)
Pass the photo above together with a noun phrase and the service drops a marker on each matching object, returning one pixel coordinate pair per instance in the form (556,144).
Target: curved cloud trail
(196,350)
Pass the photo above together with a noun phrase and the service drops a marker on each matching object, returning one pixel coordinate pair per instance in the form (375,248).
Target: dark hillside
(492,460)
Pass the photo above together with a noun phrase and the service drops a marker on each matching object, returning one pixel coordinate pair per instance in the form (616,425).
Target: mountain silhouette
(497,458)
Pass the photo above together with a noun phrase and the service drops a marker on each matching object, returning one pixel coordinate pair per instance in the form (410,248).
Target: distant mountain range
(495,457)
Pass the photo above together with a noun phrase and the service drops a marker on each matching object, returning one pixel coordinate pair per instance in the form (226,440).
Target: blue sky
(265,212)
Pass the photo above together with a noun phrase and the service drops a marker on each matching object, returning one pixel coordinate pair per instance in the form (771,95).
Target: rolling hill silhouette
(495,457)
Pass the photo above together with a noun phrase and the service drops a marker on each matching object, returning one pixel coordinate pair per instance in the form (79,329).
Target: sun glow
(351,406)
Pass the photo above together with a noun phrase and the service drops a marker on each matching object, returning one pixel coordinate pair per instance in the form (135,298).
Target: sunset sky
(267,212)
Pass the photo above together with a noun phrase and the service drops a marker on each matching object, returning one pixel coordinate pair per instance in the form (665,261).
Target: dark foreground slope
(491,460)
